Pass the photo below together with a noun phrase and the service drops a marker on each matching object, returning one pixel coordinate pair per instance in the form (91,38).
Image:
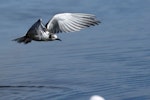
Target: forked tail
(23,39)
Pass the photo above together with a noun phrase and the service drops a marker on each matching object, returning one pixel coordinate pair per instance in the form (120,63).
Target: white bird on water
(64,22)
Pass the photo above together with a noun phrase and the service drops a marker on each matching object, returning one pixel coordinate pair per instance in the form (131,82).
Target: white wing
(70,22)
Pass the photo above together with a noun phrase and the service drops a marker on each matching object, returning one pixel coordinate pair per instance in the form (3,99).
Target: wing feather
(70,22)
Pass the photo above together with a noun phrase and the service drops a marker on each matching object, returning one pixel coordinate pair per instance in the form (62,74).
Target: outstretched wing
(37,28)
(70,22)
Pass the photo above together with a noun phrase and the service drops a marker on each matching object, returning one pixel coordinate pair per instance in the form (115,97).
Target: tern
(63,22)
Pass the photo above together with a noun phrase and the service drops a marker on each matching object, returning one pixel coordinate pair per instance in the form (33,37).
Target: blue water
(111,60)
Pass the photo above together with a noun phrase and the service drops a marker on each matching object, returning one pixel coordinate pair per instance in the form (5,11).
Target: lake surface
(111,60)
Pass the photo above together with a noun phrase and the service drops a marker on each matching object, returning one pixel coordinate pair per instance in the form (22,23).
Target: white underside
(44,36)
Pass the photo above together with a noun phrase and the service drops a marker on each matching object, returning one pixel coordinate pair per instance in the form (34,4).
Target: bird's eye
(50,36)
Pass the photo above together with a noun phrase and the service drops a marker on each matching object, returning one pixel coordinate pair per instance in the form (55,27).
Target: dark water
(111,60)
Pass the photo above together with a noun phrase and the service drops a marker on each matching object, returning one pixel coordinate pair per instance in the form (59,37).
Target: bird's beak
(58,39)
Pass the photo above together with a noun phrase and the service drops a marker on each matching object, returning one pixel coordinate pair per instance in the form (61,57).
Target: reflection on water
(111,59)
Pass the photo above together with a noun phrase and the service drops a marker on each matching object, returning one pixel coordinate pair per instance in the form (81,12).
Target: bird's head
(54,37)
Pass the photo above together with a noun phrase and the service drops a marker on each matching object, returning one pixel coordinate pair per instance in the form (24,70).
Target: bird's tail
(23,39)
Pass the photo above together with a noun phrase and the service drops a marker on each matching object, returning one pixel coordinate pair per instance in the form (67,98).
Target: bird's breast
(42,36)
(45,35)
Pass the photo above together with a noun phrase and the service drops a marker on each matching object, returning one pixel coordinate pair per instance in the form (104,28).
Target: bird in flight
(63,22)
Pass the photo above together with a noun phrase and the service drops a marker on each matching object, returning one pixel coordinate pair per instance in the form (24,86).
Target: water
(111,60)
